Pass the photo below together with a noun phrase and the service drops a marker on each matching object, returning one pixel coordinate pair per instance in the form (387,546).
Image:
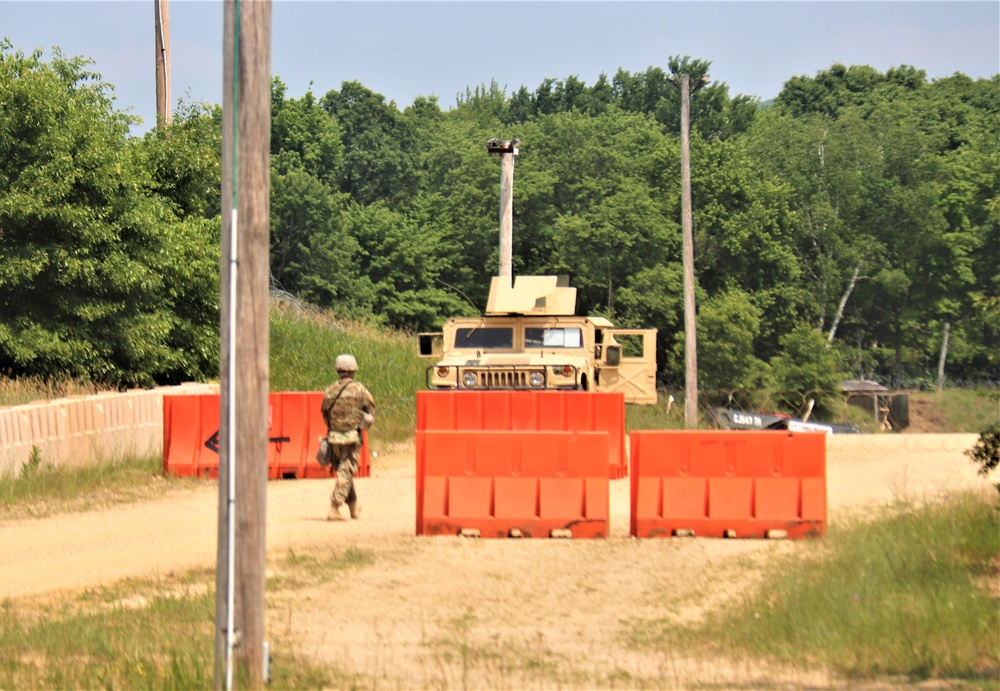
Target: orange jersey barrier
(512,484)
(190,428)
(295,424)
(556,411)
(728,484)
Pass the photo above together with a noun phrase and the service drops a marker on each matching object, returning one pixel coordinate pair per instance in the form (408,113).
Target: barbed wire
(880,408)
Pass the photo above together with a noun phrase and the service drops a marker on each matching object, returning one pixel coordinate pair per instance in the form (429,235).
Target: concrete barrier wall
(84,429)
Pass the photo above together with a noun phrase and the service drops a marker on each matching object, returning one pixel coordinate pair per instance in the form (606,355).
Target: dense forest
(848,228)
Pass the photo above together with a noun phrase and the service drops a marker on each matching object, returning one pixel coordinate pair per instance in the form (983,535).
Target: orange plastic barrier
(512,484)
(295,424)
(556,411)
(190,421)
(728,484)
(297,415)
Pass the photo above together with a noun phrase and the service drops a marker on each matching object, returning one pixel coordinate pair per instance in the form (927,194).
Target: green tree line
(851,227)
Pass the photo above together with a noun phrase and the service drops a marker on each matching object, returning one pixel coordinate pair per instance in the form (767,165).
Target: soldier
(348,407)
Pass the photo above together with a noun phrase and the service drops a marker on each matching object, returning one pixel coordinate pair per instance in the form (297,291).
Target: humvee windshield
(492,338)
(553,338)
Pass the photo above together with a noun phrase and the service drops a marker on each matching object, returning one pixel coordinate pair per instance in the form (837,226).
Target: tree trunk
(944,355)
(843,302)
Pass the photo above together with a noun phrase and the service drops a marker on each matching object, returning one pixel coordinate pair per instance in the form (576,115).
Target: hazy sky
(415,48)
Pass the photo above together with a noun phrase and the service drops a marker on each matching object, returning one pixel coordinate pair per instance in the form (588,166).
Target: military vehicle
(731,418)
(531,338)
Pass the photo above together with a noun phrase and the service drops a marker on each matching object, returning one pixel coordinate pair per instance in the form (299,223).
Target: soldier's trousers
(346,458)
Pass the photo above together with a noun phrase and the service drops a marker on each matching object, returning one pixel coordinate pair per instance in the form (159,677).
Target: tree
(484,103)
(728,326)
(312,255)
(185,169)
(184,160)
(456,211)
(836,88)
(832,172)
(967,111)
(306,136)
(890,189)
(97,272)
(654,298)
(378,145)
(805,363)
(606,215)
(714,115)
(407,294)
(861,207)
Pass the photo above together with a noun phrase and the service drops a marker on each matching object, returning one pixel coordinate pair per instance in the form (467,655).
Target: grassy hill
(305,342)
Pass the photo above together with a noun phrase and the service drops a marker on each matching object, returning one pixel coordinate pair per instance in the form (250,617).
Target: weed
(142,634)
(30,468)
(42,489)
(299,567)
(960,410)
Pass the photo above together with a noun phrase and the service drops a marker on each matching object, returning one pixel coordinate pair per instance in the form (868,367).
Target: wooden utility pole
(687,225)
(508,150)
(239,641)
(161,10)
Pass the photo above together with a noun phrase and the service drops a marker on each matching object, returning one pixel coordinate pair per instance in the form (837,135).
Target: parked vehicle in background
(731,418)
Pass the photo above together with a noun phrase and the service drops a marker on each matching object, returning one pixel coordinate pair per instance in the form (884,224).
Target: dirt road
(456,613)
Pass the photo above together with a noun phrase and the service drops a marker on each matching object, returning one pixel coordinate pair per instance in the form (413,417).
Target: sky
(405,49)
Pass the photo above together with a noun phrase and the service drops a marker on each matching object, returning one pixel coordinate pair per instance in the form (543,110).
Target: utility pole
(244,349)
(507,149)
(161,11)
(687,226)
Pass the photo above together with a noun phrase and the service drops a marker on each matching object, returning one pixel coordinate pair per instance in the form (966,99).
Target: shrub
(986,452)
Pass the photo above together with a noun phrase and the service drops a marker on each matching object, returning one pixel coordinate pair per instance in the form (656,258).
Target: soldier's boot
(334,514)
(355,508)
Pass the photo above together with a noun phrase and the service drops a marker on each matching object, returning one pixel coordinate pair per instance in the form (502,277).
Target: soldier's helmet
(346,363)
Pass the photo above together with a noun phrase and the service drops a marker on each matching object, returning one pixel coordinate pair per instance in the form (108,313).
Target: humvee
(530,338)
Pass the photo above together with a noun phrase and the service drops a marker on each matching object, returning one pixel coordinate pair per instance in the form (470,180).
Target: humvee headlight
(469,380)
(536,379)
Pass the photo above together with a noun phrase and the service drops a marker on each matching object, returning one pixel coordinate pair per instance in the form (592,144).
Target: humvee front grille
(503,379)
(494,377)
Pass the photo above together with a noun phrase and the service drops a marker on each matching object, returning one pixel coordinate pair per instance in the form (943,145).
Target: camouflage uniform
(342,416)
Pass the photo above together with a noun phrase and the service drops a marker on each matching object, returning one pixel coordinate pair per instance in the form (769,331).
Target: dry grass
(30,389)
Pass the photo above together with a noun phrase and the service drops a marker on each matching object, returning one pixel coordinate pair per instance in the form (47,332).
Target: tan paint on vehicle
(531,338)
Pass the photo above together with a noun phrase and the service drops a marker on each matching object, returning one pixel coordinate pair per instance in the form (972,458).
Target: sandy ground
(458,613)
